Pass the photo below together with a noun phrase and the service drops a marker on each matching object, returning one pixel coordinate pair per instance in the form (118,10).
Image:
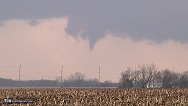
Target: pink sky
(44,47)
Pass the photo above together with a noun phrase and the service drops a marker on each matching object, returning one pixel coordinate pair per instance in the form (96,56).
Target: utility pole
(19,74)
(99,75)
(61,77)
(42,81)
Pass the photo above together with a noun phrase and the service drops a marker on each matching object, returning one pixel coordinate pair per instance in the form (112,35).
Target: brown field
(95,97)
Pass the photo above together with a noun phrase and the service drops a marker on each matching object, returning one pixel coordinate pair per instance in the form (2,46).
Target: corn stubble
(97,97)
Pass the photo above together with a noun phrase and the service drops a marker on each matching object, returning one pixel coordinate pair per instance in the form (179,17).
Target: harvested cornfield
(95,97)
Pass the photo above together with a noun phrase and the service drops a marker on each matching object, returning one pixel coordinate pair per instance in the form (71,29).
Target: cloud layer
(156,20)
(42,49)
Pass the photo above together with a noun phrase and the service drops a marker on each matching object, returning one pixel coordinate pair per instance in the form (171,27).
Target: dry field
(96,97)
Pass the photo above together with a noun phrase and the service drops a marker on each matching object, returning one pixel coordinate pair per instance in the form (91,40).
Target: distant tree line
(147,76)
(78,80)
(142,76)
(27,83)
(74,80)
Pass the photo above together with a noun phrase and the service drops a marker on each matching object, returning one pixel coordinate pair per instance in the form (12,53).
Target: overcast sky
(82,35)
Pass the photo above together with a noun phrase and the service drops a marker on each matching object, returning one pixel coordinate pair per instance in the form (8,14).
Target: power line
(99,73)
(19,74)
(61,75)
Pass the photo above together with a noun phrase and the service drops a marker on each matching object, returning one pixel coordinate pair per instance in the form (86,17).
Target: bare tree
(127,78)
(183,81)
(77,78)
(157,79)
(145,75)
(106,83)
(170,78)
(58,79)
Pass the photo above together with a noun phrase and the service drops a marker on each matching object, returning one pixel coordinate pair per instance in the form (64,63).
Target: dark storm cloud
(157,20)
